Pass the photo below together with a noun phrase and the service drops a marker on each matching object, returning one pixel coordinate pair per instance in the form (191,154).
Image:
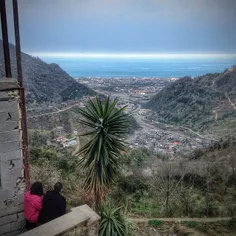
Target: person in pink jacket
(33,205)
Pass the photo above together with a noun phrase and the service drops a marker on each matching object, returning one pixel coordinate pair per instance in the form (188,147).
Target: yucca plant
(100,155)
(112,221)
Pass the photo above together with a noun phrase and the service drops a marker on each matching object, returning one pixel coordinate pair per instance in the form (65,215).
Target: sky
(126,26)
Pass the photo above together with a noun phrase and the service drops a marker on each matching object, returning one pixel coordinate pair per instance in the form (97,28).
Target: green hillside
(44,82)
(205,103)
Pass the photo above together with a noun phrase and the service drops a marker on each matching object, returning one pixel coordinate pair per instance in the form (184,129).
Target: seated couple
(40,208)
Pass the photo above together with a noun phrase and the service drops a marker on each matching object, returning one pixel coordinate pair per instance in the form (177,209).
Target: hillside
(205,103)
(44,82)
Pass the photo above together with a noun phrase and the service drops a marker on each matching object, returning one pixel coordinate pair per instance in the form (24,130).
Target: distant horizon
(134,55)
(130,65)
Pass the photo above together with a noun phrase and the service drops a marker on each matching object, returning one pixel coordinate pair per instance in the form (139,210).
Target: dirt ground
(181,229)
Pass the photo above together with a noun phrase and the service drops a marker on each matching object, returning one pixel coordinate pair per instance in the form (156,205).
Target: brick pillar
(12,181)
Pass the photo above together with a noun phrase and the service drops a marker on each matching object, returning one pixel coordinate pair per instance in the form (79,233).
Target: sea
(141,67)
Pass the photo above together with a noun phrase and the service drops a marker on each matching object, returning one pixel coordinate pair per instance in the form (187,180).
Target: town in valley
(132,93)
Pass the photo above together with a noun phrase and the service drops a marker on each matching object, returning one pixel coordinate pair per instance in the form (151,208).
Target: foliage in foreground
(101,154)
(112,221)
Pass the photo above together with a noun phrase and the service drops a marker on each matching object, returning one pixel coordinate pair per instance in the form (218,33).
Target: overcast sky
(126,26)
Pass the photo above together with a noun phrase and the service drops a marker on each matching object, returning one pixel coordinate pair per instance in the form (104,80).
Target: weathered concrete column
(12,182)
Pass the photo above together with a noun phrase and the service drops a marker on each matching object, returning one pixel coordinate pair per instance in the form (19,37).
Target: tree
(101,154)
(37,139)
(165,184)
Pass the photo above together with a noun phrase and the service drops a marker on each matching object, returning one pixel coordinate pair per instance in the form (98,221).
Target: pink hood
(32,207)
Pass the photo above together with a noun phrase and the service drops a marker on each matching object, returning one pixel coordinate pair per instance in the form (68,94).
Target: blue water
(130,67)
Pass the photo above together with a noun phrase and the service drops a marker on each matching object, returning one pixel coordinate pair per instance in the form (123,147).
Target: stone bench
(81,221)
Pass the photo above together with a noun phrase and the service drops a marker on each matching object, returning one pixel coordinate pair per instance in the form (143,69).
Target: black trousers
(29,225)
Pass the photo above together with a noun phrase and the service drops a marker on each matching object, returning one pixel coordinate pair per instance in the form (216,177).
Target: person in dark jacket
(54,205)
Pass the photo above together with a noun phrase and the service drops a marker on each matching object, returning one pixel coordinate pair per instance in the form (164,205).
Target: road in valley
(54,112)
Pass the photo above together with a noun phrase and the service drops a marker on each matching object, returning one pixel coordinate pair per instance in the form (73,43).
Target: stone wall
(83,230)
(12,182)
(82,221)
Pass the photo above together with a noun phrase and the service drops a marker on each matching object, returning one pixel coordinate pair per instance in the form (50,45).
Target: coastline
(140,68)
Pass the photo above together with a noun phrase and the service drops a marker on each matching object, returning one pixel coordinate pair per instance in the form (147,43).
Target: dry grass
(46,173)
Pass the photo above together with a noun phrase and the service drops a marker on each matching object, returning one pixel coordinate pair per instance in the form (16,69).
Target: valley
(179,159)
(163,130)
(118,118)
(152,133)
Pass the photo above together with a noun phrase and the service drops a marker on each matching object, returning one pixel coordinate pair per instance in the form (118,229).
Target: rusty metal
(22,93)
(25,138)
(5,39)
(17,42)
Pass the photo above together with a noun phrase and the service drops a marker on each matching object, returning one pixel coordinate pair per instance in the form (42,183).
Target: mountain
(44,82)
(205,103)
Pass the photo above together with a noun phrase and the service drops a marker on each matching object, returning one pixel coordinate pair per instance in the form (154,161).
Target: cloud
(126,25)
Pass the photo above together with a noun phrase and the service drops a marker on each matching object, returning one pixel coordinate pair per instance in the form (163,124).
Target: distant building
(49,143)
(69,143)
(59,132)
(81,104)
(176,143)
(174,137)
(144,112)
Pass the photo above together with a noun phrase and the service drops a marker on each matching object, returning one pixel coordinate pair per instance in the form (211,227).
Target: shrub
(63,164)
(112,220)
(190,224)
(38,153)
(197,180)
(232,180)
(231,224)
(130,184)
(203,226)
(155,223)
(45,172)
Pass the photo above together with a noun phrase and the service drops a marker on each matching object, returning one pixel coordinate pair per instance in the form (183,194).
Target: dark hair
(58,187)
(37,189)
